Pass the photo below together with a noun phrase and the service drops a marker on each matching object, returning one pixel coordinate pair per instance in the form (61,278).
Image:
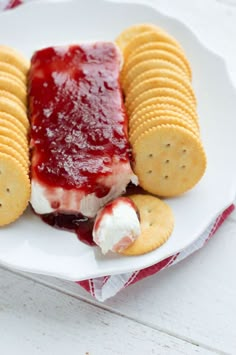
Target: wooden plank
(193,300)
(37,320)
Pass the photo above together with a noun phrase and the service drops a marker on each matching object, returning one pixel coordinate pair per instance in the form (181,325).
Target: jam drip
(81,225)
(78,132)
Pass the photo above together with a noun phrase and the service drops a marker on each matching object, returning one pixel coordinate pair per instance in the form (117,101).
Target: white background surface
(188,309)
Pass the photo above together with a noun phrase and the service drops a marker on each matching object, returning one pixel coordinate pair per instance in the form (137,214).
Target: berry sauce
(77,223)
(78,122)
(78,128)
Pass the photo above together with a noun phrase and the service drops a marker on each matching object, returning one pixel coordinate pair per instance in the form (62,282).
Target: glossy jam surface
(78,123)
(82,226)
(78,129)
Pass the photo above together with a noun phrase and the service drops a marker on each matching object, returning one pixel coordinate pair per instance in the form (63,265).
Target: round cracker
(129,33)
(163,73)
(7,132)
(147,65)
(156,121)
(12,97)
(155,83)
(14,189)
(148,110)
(15,154)
(168,160)
(164,113)
(150,104)
(156,221)
(11,69)
(157,94)
(17,147)
(13,57)
(170,48)
(147,37)
(10,107)
(15,130)
(12,77)
(152,54)
(13,86)
(13,120)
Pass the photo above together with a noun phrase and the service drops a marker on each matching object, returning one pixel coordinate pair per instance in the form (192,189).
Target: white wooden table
(187,309)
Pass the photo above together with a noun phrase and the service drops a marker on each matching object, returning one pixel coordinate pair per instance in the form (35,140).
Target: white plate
(33,246)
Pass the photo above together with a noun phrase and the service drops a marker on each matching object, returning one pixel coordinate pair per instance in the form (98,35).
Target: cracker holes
(149,172)
(168,145)
(0,205)
(166,177)
(7,189)
(183,167)
(150,224)
(167,161)
(184,150)
(150,155)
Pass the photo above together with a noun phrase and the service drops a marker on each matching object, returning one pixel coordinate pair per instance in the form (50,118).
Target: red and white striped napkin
(106,287)
(9,4)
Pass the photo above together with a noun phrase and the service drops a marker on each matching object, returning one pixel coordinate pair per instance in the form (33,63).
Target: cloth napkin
(103,288)
(106,287)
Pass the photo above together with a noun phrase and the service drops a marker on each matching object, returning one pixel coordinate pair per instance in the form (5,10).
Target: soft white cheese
(117,229)
(39,200)
(44,200)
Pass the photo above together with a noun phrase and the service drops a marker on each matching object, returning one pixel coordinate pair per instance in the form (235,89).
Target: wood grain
(194,300)
(37,320)
(187,309)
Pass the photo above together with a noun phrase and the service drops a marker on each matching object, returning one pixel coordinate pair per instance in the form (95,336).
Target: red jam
(79,126)
(82,226)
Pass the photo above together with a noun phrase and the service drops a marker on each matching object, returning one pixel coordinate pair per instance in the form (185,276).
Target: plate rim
(223,64)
